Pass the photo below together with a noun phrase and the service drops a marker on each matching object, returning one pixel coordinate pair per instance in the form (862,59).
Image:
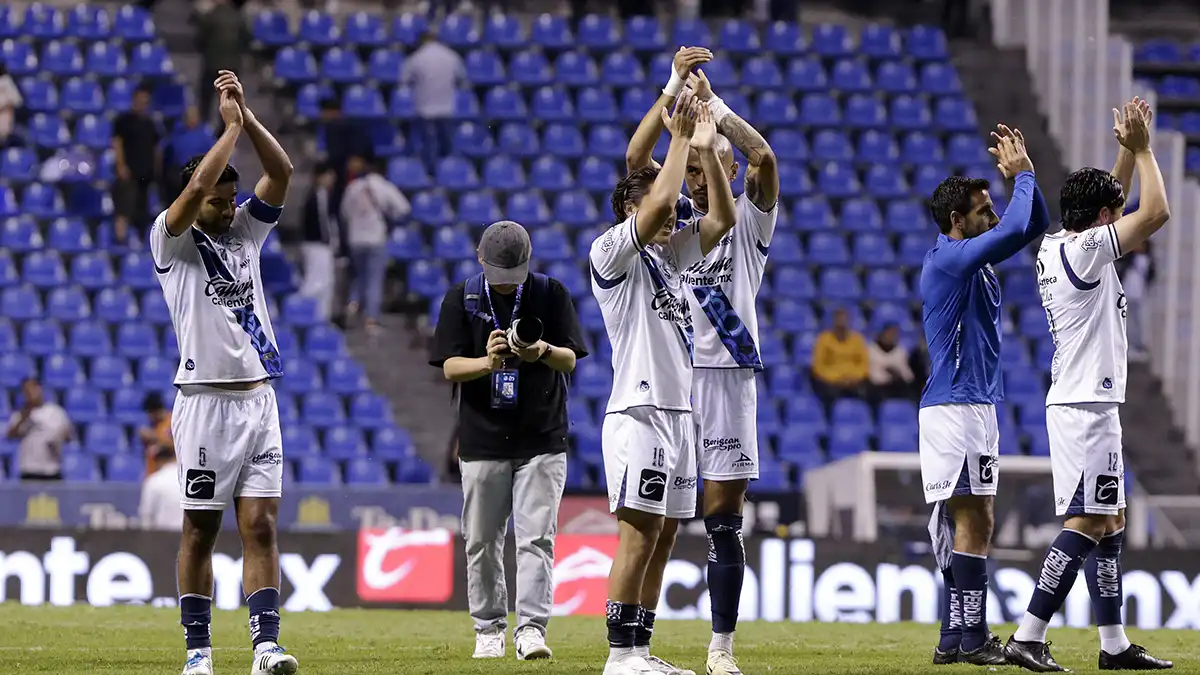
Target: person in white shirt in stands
(887,366)
(41,428)
(225,421)
(159,507)
(1085,309)
(369,202)
(648,434)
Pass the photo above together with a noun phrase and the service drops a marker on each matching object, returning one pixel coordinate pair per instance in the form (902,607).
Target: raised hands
(1131,125)
(704,137)
(1009,151)
(682,123)
(227,81)
(688,59)
(700,86)
(231,110)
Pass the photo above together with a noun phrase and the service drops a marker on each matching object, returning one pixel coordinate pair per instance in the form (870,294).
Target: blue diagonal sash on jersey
(730,329)
(660,282)
(268,355)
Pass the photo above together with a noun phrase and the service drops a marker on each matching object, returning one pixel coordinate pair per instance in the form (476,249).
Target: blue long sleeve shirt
(961,301)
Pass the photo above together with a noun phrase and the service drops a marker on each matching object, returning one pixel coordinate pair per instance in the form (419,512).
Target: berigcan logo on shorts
(269,458)
(653,485)
(987,467)
(723,444)
(200,484)
(1106,489)
(682,483)
(744,461)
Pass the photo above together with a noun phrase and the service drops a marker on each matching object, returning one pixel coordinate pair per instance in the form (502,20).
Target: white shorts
(725,407)
(228,444)
(650,461)
(960,450)
(1086,459)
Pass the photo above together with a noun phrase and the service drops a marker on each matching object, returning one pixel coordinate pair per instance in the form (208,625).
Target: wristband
(674,85)
(718,109)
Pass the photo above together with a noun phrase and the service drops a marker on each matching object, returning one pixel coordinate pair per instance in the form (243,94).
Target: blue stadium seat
(137,271)
(910,112)
(504,31)
(502,172)
(831,41)
(83,405)
(20,302)
(401,105)
(322,409)
(119,94)
(318,28)
(518,140)
(153,308)
(691,31)
(40,95)
(576,69)
(106,60)
(598,33)
(453,244)
(874,250)
(528,208)
(644,33)
(878,41)
(785,39)
(819,110)
(94,132)
(592,378)
(48,132)
(89,23)
(126,468)
(607,142)
(736,37)
(93,271)
(847,441)
(484,68)
(940,79)
(43,22)
(133,23)
(551,104)
(927,178)
(137,340)
(596,105)
(837,283)
(838,180)
(365,30)
(886,285)
(913,247)
(860,215)
(341,66)
(478,208)
(920,148)
(67,303)
(344,442)
(19,58)
(552,244)
(344,375)
(14,369)
(575,208)
(551,32)
(42,201)
(896,77)
(317,471)
(62,58)
(955,114)
(413,470)
(156,372)
(42,337)
(363,471)
(926,43)
(459,31)
(563,140)
(62,372)
(428,208)
(530,69)
(850,76)
(44,269)
(622,69)
(105,439)
(294,66)
(301,311)
(505,104)
(384,66)
(551,174)
(408,28)
(762,72)
(813,213)
(8,270)
(793,282)
(427,279)
(391,443)
(408,173)
(794,316)
(270,27)
(634,104)
(21,235)
(363,102)
(571,277)
(370,411)
(19,164)
(78,468)
(150,60)
(831,146)
(775,109)
(884,182)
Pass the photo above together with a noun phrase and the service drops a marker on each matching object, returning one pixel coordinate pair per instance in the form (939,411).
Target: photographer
(507,338)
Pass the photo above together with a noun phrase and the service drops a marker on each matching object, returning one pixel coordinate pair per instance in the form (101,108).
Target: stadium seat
(82,405)
(78,468)
(317,471)
(365,30)
(67,303)
(831,41)
(530,69)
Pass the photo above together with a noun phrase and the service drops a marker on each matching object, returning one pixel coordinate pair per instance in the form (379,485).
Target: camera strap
(475,286)
(487,289)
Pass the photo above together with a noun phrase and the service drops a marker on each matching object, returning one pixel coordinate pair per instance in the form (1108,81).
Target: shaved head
(697,183)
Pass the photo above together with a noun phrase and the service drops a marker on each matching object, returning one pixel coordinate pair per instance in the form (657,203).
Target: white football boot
(198,663)
(274,661)
(531,645)
(721,662)
(658,665)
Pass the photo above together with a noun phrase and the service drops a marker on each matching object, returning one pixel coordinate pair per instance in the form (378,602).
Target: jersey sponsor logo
(609,240)
(652,486)
(1106,489)
(682,483)
(743,461)
(268,458)
(938,486)
(200,484)
(704,273)
(397,565)
(722,444)
(670,308)
(581,567)
(987,469)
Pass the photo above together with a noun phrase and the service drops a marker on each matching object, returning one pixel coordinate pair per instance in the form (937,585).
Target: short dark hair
(632,188)
(144,89)
(1084,193)
(229,175)
(954,195)
(153,402)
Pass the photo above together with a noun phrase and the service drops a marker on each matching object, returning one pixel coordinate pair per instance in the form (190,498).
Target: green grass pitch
(145,641)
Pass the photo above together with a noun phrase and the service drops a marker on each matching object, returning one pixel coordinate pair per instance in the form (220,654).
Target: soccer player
(959,437)
(648,433)
(1085,308)
(226,421)
(722,288)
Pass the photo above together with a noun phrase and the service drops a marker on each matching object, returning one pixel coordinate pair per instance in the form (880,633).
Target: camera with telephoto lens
(524,333)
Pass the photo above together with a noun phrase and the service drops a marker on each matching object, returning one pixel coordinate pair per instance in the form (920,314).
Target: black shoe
(1033,656)
(1134,658)
(944,658)
(990,653)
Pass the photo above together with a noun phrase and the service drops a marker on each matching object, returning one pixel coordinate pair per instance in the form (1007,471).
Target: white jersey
(214,291)
(649,322)
(723,288)
(1085,307)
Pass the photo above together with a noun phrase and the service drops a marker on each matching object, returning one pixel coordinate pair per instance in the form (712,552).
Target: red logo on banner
(396,565)
(581,566)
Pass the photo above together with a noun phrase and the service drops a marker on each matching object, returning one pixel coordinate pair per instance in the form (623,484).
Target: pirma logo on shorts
(653,485)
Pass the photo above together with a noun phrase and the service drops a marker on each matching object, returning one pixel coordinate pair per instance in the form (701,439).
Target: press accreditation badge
(504,388)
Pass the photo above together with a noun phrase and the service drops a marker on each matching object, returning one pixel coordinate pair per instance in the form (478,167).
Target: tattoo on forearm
(744,137)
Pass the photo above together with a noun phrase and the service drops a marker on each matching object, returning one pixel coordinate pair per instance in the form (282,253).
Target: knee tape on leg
(725,539)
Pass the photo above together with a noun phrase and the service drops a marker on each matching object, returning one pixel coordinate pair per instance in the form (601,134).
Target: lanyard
(487,289)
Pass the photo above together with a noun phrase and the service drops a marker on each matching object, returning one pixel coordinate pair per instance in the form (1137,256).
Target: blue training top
(961,301)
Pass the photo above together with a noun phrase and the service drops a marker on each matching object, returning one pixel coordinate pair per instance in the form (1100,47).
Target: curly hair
(1084,193)
(953,195)
(632,188)
(229,175)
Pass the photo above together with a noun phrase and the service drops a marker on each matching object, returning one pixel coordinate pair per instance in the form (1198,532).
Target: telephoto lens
(524,333)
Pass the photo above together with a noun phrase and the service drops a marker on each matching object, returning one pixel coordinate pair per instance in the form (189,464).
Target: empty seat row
(100,59)
(43,21)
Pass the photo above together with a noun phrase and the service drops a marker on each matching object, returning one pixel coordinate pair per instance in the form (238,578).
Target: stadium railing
(1081,71)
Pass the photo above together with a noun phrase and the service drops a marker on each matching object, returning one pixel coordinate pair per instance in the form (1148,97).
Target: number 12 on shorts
(1114,461)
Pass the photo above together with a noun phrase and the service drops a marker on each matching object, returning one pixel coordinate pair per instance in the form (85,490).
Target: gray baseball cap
(505,249)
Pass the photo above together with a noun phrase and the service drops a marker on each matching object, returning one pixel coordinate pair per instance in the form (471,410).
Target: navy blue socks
(195,612)
(1103,573)
(1063,560)
(971,579)
(264,616)
(622,621)
(951,610)
(726,569)
(645,628)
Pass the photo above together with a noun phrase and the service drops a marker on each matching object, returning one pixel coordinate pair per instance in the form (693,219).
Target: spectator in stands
(344,138)
(1137,273)
(41,428)
(368,204)
(512,430)
(10,101)
(159,507)
(156,435)
(192,136)
(887,364)
(434,72)
(222,38)
(321,241)
(918,363)
(135,141)
(839,361)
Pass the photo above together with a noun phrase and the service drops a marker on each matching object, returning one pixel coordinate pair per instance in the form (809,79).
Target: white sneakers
(657,665)
(529,641)
(629,665)
(722,663)
(274,661)
(489,644)
(531,645)
(198,663)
